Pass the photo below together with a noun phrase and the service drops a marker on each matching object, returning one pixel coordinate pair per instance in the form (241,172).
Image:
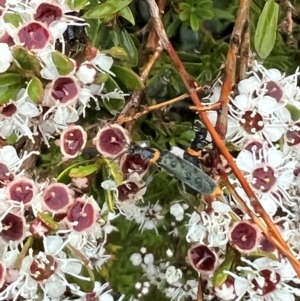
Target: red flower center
(34,36)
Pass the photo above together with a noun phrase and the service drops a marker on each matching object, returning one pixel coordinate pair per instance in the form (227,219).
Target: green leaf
(77,4)
(265,34)
(106,9)
(114,171)
(10,79)
(13,18)
(8,93)
(222,14)
(102,10)
(35,90)
(130,79)
(294,111)
(63,64)
(10,85)
(194,21)
(25,59)
(205,14)
(83,171)
(12,139)
(220,276)
(94,31)
(184,15)
(47,219)
(172,28)
(128,44)
(64,176)
(126,13)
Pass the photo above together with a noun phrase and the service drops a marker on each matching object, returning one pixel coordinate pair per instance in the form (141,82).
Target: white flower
(6,57)
(148,217)
(44,270)
(270,173)
(103,63)
(10,158)
(177,211)
(213,226)
(136,259)
(266,279)
(16,117)
(173,274)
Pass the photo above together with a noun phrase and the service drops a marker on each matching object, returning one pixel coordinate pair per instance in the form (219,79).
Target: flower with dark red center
(42,267)
(72,141)
(82,215)
(273,90)
(38,228)
(8,110)
(5,175)
(47,13)
(65,89)
(34,36)
(269,285)
(130,190)
(293,135)
(226,290)
(264,178)
(133,163)
(21,190)
(57,198)
(111,140)
(202,259)
(254,146)
(13,227)
(252,122)
(244,236)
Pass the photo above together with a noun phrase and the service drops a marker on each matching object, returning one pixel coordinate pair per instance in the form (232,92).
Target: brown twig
(199,292)
(230,65)
(163,104)
(134,101)
(271,232)
(244,54)
(133,104)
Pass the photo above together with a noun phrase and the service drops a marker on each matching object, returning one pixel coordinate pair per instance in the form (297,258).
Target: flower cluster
(110,227)
(59,88)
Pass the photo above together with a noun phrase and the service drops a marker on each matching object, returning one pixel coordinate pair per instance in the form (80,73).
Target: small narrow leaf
(266,29)
(194,21)
(294,111)
(25,59)
(106,9)
(35,90)
(220,274)
(126,13)
(130,79)
(83,171)
(63,64)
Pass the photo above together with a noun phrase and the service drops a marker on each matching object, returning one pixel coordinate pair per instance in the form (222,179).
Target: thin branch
(159,106)
(230,65)
(199,292)
(272,232)
(134,102)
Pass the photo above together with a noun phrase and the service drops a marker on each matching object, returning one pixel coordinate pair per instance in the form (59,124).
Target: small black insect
(194,153)
(178,167)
